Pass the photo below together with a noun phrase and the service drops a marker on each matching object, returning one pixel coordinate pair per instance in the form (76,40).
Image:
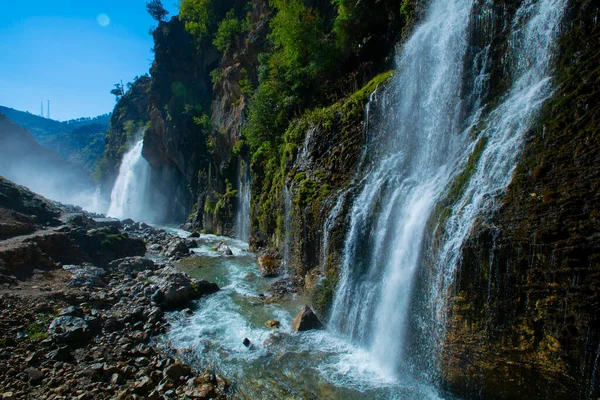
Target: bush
(228,29)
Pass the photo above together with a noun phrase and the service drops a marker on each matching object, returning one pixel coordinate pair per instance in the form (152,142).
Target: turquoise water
(278,364)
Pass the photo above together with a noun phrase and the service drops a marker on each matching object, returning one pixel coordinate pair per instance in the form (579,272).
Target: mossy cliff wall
(524,314)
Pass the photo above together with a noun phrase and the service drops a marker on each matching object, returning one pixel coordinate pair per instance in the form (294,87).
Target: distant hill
(24,161)
(80,141)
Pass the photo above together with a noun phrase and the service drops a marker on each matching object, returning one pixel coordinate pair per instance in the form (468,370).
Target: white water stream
(129,197)
(428,140)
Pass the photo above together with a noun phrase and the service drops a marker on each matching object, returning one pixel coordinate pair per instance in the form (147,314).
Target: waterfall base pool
(278,364)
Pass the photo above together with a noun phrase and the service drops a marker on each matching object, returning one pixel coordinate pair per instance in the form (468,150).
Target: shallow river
(309,365)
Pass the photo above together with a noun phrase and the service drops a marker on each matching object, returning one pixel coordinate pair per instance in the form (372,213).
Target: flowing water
(428,140)
(242,219)
(129,197)
(317,364)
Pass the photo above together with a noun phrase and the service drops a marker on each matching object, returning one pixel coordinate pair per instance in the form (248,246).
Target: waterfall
(417,152)
(128,198)
(242,220)
(287,227)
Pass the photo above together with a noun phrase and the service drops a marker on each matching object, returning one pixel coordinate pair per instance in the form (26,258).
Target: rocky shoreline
(80,309)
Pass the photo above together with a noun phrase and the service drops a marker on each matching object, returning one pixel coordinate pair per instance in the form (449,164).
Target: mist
(24,161)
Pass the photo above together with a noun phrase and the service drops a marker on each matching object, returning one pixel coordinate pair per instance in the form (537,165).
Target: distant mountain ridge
(25,161)
(80,141)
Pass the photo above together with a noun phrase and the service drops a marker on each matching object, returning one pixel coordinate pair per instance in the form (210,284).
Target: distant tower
(42,110)
(48,109)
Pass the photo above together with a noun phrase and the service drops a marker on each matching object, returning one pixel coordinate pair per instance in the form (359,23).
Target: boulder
(111,222)
(223,249)
(85,275)
(176,289)
(35,375)
(176,371)
(63,353)
(69,329)
(205,287)
(82,221)
(131,265)
(177,247)
(194,235)
(268,266)
(272,324)
(306,320)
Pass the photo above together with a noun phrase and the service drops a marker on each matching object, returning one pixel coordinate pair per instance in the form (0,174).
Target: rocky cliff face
(524,315)
(523,310)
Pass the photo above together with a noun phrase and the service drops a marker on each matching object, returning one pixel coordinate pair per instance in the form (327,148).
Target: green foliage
(215,75)
(156,10)
(298,36)
(36,331)
(228,29)
(245,84)
(118,91)
(2,342)
(198,16)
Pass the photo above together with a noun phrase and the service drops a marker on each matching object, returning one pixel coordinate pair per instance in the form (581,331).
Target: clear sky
(72,52)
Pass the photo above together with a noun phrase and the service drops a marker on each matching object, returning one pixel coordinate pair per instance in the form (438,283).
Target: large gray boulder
(69,329)
(85,275)
(177,289)
(178,247)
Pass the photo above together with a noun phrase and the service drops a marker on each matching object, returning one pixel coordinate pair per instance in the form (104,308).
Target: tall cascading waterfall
(129,196)
(242,219)
(423,144)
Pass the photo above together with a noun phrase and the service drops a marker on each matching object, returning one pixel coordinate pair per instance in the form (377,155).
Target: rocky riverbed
(80,306)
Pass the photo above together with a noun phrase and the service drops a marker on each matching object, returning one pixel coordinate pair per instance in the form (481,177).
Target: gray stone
(70,329)
(131,265)
(34,375)
(85,275)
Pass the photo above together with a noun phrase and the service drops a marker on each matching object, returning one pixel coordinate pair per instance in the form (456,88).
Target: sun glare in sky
(103,20)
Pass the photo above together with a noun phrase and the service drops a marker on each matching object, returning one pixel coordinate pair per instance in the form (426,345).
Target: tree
(156,10)
(118,91)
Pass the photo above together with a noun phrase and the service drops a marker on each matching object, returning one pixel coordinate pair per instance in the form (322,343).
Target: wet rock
(128,221)
(176,371)
(195,235)
(223,249)
(70,329)
(204,288)
(8,396)
(85,275)
(246,342)
(306,320)
(176,288)
(268,266)
(177,247)
(156,247)
(272,324)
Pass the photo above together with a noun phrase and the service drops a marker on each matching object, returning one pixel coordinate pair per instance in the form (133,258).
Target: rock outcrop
(306,320)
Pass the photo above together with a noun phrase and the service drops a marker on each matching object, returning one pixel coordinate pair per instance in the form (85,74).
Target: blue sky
(70,53)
